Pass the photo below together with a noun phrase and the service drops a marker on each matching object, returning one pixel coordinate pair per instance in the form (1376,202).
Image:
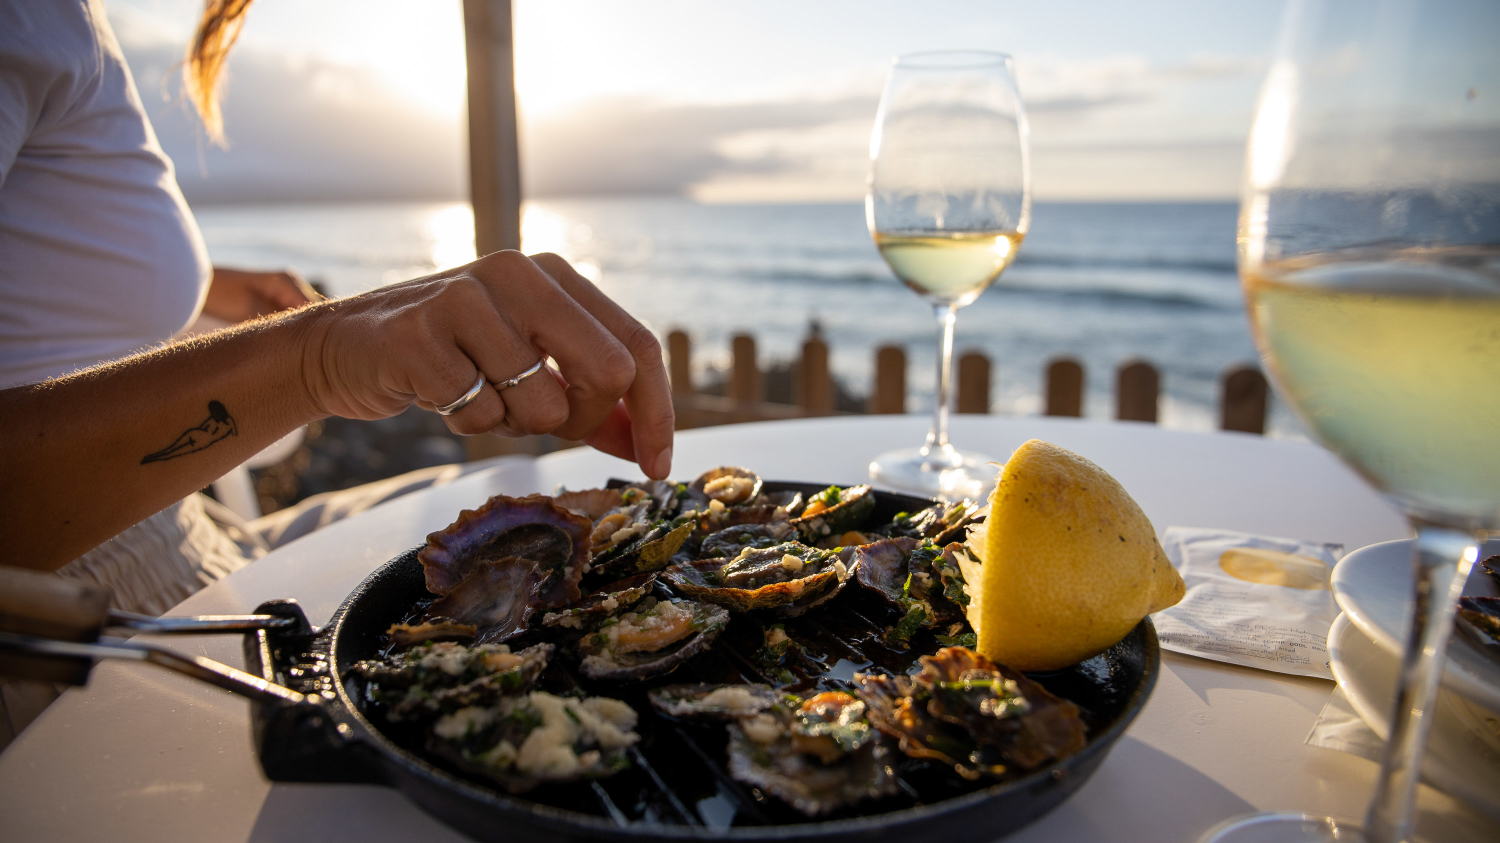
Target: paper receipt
(1256,601)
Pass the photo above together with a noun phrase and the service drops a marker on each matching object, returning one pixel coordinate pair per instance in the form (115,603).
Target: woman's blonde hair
(218,29)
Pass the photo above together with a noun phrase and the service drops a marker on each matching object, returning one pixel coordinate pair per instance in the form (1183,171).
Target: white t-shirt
(99,254)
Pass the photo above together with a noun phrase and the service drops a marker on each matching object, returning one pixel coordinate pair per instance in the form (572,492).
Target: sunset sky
(770,101)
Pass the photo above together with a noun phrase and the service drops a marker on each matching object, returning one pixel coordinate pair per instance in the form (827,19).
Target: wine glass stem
(937,437)
(1441,560)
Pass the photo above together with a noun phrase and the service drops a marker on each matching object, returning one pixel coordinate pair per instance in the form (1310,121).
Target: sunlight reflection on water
(450,231)
(543,230)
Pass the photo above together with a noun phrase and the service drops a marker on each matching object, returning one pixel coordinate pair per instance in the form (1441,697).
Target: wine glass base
(1283,827)
(945,473)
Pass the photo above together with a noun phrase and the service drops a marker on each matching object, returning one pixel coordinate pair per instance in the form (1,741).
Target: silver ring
(499,385)
(463,401)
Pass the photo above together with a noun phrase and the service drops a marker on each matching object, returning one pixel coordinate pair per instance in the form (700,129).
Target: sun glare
(548,231)
(543,231)
(416,49)
(450,236)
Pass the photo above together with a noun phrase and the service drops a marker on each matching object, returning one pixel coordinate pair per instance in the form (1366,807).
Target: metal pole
(494,146)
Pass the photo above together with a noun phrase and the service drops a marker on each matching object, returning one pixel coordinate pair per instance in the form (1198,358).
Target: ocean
(1104,283)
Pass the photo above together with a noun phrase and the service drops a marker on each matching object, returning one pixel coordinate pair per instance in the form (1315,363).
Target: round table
(142,754)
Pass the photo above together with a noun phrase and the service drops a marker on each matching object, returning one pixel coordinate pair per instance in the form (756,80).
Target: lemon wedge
(1070,563)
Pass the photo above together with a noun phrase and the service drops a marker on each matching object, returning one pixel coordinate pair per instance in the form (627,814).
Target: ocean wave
(796,274)
(1199,295)
(854,269)
(805,276)
(1115,296)
(1118,262)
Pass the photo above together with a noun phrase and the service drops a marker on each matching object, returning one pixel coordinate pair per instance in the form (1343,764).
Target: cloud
(636,146)
(301,130)
(1082,103)
(1047,78)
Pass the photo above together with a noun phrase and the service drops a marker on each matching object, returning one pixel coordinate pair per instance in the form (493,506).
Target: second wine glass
(948,204)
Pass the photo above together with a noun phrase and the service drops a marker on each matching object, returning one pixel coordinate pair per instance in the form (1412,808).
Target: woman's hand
(236,295)
(428,340)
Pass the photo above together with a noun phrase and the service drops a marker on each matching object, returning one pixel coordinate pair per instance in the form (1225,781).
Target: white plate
(1373,586)
(1463,750)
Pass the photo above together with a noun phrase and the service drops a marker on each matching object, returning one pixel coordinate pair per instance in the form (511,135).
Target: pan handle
(315,740)
(207,670)
(198,624)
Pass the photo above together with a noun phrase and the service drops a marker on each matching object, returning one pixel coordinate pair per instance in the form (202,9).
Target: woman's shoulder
(51,57)
(52,41)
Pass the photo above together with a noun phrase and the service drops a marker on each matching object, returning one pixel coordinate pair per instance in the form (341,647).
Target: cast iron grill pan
(678,785)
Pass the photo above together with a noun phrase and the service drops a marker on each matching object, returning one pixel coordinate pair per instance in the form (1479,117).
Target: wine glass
(948,204)
(1370,258)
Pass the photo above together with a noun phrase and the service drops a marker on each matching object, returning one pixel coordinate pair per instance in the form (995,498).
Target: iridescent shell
(533,528)
(652,638)
(966,711)
(591,503)
(892,708)
(820,520)
(940,524)
(918,578)
(729,485)
(789,501)
(497,597)
(817,758)
(627,522)
(538,738)
(404,635)
(882,567)
(650,550)
(435,678)
(713,702)
(608,600)
(1001,707)
(666,495)
(790,577)
(730,541)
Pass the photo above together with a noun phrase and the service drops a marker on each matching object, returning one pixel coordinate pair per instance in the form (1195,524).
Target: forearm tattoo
(218,425)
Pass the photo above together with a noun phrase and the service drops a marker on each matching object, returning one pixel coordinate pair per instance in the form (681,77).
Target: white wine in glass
(1393,357)
(1370,259)
(954,267)
(948,205)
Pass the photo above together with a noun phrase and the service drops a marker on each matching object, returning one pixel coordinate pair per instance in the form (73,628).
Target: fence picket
(814,385)
(744,382)
(1242,400)
(889,393)
(1065,388)
(1137,388)
(679,357)
(973,383)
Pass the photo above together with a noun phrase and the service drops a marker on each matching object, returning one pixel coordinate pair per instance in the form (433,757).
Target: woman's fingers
(431,339)
(596,367)
(284,290)
(614,437)
(537,404)
(441,384)
(648,397)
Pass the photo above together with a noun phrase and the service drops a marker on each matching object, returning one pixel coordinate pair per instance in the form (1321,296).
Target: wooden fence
(1242,390)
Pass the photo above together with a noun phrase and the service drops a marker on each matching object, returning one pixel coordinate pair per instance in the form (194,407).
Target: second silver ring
(515,381)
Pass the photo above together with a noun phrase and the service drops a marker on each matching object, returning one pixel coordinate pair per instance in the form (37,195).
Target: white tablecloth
(141,754)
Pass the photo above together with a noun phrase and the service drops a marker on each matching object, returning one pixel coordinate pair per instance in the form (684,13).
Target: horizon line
(549,197)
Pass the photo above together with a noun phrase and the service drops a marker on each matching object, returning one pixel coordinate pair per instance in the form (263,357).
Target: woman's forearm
(88,455)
